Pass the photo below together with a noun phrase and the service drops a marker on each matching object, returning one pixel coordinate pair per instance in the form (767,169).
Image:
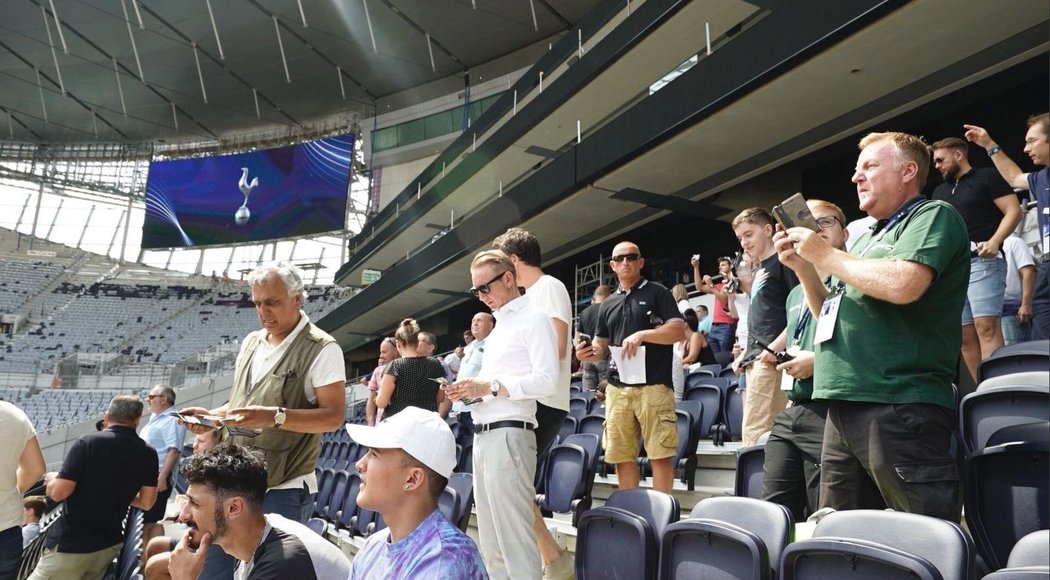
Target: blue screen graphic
(247,197)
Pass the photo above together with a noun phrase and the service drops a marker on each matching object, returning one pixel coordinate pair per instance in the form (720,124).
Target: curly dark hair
(520,243)
(229,470)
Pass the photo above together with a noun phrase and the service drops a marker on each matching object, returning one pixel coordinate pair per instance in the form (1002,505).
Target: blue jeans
(10,552)
(721,337)
(294,504)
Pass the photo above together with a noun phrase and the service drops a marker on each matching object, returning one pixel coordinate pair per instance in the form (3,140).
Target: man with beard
(991,212)
(224,505)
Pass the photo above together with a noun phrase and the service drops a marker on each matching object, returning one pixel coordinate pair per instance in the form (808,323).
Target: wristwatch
(495,386)
(279,418)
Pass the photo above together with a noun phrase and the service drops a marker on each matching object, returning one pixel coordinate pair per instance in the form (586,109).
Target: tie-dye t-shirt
(435,549)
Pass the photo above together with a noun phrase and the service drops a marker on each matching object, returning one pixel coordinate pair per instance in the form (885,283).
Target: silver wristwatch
(495,386)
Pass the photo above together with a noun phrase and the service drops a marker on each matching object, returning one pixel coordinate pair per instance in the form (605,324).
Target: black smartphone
(782,357)
(583,338)
(794,212)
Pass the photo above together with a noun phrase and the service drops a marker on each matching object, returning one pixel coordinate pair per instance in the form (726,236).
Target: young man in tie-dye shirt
(410,457)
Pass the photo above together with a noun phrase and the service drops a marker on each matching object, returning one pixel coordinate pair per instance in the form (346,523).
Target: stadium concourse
(153,156)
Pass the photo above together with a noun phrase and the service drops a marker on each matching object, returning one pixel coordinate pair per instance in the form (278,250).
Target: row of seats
(637,534)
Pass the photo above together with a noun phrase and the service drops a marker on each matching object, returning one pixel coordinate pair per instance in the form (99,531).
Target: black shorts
(548,424)
(156,513)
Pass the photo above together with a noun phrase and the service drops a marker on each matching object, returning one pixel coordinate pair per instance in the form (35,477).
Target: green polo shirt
(795,303)
(887,353)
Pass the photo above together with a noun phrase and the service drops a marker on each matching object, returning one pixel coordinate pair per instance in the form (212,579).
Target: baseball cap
(422,434)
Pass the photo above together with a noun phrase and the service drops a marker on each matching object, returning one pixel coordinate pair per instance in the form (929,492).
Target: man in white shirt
(520,366)
(550,297)
(289,387)
(1020,287)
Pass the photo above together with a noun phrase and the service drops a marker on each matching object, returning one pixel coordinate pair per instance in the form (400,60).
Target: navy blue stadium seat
(564,480)
(1007,496)
(463,483)
(743,538)
(657,508)
(750,475)
(466,460)
(987,410)
(614,543)
(345,516)
(734,413)
(880,544)
(337,497)
(318,525)
(1021,357)
(711,398)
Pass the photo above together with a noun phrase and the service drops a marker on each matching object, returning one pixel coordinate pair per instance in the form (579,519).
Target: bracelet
(993,150)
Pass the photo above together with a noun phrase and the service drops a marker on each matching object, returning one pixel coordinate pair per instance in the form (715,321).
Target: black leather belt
(503,425)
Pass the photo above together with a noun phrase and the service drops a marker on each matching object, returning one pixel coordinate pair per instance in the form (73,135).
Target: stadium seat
(711,398)
(750,474)
(348,509)
(1034,431)
(985,411)
(568,427)
(1029,559)
(319,526)
(1007,496)
(1021,379)
(614,543)
(463,483)
(1021,357)
(567,468)
(880,544)
(337,497)
(657,508)
(466,460)
(325,482)
(447,502)
(590,443)
(770,522)
(734,413)
(578,407)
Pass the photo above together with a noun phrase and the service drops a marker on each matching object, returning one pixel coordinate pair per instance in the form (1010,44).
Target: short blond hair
(498,259)
(818,204)
(906,148)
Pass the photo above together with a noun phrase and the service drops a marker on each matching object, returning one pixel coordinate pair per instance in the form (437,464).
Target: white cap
(422,434)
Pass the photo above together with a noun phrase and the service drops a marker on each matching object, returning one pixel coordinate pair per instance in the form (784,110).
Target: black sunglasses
(628,257)
(487,286)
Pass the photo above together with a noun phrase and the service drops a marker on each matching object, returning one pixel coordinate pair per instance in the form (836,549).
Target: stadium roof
(205,70)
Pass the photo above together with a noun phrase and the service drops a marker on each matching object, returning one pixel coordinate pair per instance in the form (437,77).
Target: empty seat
(564,480)
(987,410)
(1021,357)
(614,543)
(750,474)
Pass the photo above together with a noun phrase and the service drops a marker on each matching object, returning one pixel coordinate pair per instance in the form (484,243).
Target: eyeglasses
(827,222)
(487,286)
(627,257)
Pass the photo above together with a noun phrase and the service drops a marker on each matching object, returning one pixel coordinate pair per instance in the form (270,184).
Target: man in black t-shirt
(771,283)
(103,473)
(641,314)
(594,371)
(991,211)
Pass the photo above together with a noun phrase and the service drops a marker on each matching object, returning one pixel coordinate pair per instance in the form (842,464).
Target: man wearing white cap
(410,457)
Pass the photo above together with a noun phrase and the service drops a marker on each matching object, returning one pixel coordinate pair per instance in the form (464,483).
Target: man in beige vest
(288,388)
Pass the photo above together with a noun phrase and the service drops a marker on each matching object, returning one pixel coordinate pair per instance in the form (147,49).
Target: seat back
(568,427)
(578,407)
(852,559)
(319,526)
(463,483)
(591,444)
(711,399)
(325,481)
(566,469)
(1022,379)
(658,509)
(770,522)
(1034,431)
(749,471)
(1031,550)
(942,543)
(1007,497)
(1021,357)
(984,412)
(338,496)
(594,424)
(466,459)
(447,502)
(345,515)
(713,550)
(614,543)
(734,412)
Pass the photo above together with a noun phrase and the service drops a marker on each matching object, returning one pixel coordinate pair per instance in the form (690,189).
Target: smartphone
(441,381)
(782,357)
(696,257)
(583,338)
(794,212)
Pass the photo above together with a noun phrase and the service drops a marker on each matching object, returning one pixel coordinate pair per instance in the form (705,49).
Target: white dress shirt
(522,354)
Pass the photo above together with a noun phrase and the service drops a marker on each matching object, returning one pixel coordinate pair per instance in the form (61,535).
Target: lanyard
(893,220)
(804,316)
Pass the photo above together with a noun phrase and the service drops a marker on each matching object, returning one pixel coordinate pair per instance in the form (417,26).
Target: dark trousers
(792,465)
(548,424)
(1041,303)
(721,337)
(10,552)
(897,456)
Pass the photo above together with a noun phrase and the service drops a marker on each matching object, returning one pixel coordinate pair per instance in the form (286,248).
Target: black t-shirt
(767,316)
(974,195)
(412,384)
(109,467)
(646,306)
(589,319)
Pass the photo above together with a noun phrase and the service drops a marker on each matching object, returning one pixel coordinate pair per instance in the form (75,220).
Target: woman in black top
(407,380)
(696,349)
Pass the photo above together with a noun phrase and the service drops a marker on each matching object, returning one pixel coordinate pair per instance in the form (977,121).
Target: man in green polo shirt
(887,337)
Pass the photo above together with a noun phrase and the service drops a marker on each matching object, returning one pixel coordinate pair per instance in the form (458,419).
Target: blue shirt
(162,433)
(705,325)
(435,549)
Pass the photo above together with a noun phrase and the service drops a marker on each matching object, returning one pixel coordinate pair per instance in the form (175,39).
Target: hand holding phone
(794,212)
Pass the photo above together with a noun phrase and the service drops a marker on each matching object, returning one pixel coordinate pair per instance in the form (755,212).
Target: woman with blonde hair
(409,380)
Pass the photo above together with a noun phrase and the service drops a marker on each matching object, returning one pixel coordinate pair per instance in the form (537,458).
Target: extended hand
(251,417)
(801,367)
(468,389)
(978,135)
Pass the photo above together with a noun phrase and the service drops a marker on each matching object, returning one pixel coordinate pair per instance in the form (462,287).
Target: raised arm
(1006,166)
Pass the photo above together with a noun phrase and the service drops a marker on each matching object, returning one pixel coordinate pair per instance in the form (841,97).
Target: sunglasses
(627,257)
(827,222)
(487,286)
